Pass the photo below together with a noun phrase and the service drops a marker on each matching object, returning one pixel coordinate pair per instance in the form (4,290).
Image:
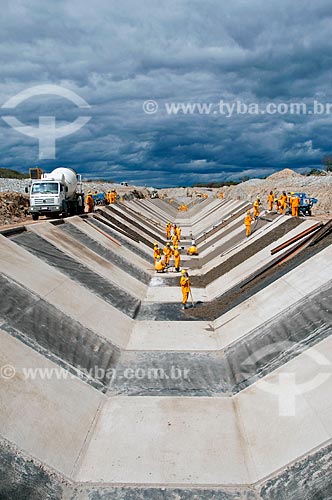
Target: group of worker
(111,196)
(173,235)
(162,257)
(90,200)
(285,201)
(281,204)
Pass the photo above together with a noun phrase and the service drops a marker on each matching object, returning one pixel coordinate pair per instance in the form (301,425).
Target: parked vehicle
(58,193)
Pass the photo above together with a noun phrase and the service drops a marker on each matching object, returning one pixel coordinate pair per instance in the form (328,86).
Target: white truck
(56,194)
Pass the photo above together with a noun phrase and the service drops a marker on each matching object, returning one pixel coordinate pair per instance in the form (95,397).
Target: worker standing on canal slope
(168,230)
(247,222)
(160,265)
(192,250)
(185,287)
(156,252)
(168,252)
(256,207)
(177,259)
(178,233)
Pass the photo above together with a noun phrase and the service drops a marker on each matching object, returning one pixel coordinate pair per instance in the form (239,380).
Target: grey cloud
(118,54)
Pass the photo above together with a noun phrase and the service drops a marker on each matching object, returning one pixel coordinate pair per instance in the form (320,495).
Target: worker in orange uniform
(178,233)
(192,250)
(176,258)
(89,202)
(247,222)
(256,206)
(175,240)
(168,230)
(185,287)
(168,252)
(282,202)
(160,265)
(156,252)
(295,203)
(270,200)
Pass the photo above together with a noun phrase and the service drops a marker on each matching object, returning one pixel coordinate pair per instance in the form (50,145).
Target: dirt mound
(13,208)
(285,180)
(283,174)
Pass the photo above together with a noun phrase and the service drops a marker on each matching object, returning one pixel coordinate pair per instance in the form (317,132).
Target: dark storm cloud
(116,55)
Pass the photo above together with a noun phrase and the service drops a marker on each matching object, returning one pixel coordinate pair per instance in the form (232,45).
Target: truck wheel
(35,216)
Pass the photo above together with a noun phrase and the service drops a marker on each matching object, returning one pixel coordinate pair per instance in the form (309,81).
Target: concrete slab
(75,301)
(172,294)
(90,259)
(274,299)
(249,266)
(48,418)
(173,336)
(274,439)
(226,254)
(107,243)
(173,441)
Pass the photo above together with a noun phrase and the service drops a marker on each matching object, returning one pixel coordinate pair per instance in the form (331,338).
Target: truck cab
(47,198)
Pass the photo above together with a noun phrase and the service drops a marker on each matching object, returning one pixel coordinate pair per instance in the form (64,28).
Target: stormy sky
(132,60)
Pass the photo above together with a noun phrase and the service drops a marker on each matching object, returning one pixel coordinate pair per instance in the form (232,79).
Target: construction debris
(13,208)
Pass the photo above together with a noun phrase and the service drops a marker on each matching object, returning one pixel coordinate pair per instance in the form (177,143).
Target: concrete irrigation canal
(111,389)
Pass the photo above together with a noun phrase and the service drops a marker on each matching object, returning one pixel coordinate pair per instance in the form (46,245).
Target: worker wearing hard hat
(247,222)
(177,258)
(89,202)
(256,206)
(185,287)
(160,265)
(295,204)
(168,252)
(192,250)
(168,230)
(270,200)
(282,202)
(175,240)
(177,232)
(156,252)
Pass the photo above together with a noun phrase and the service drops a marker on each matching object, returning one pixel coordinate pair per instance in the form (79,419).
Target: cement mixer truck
(56,194)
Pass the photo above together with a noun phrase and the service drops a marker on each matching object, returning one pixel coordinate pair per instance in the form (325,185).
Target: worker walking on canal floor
(185,288)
